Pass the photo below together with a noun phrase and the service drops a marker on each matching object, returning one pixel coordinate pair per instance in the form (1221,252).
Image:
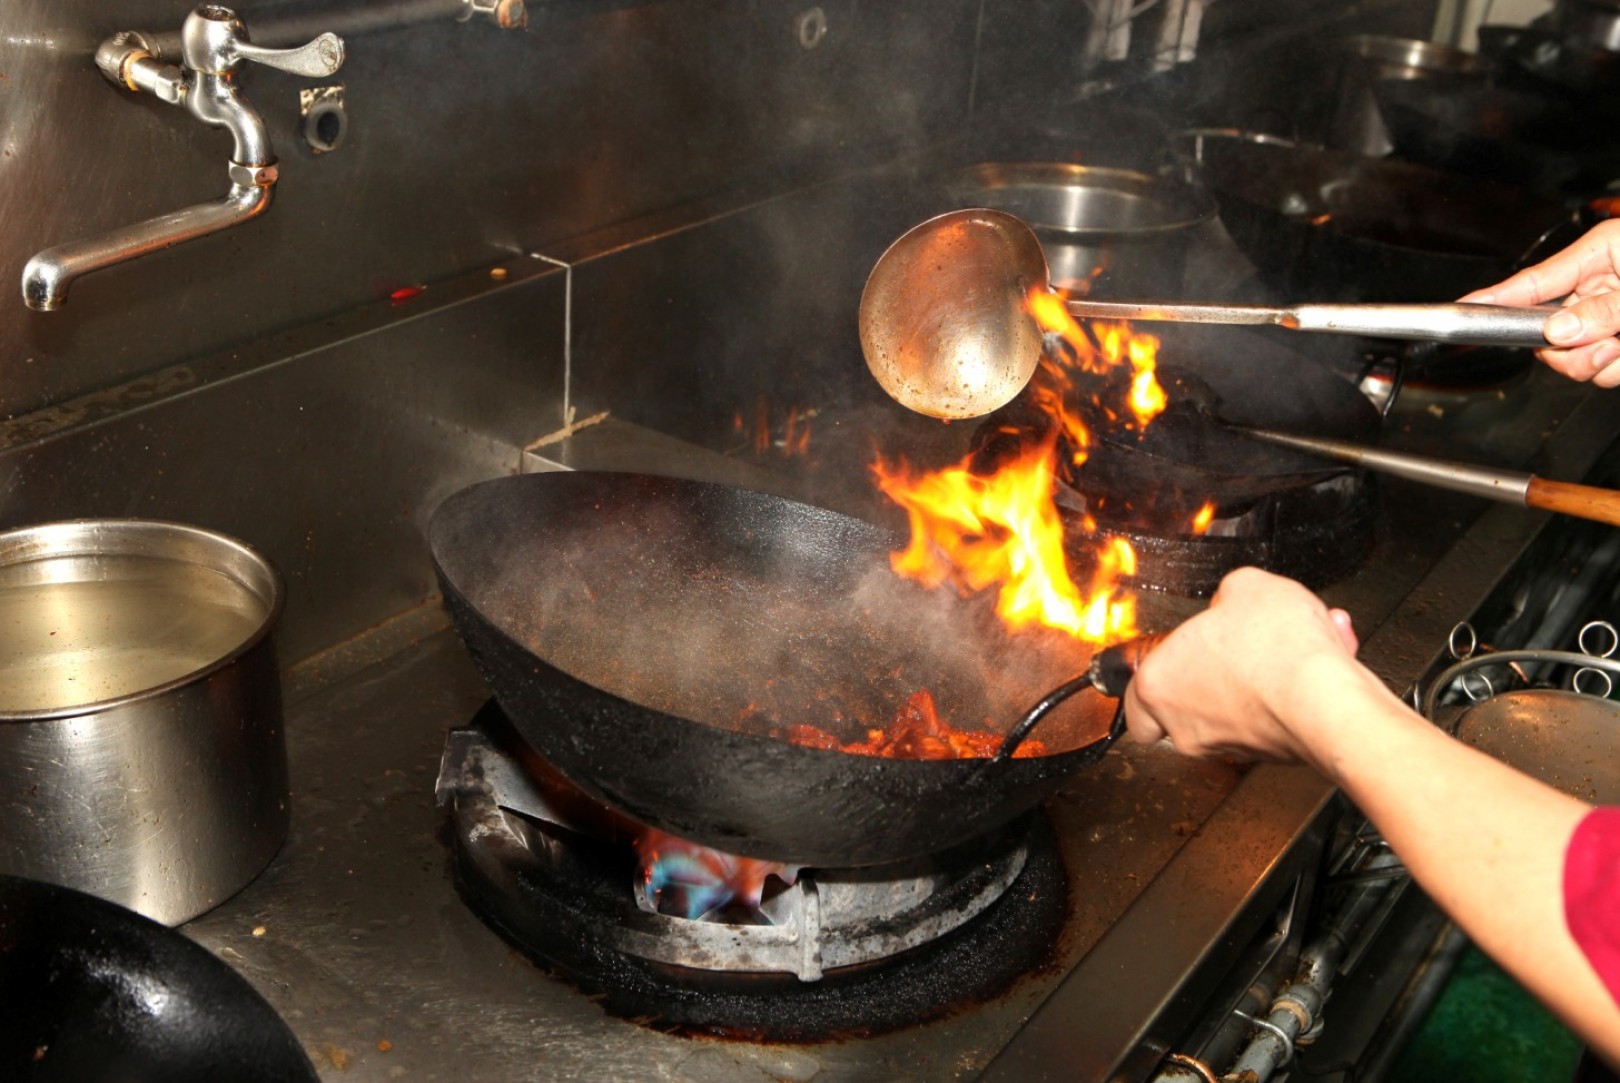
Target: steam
(773,616)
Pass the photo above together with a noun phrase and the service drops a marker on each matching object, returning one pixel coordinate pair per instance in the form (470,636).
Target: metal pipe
(280,30)
(49,274)
(1412,1008)
(1298,1007)
(213,44)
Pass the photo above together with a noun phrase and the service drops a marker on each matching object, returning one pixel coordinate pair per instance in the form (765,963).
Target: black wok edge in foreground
(95,993)
(738,792)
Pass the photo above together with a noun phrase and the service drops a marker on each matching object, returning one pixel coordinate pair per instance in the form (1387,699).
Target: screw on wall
(812,26)
(325,119)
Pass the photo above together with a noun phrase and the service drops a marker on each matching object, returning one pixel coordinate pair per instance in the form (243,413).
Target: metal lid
(1567,740)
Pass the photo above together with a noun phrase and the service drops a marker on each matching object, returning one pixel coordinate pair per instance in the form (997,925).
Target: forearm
(1486,842)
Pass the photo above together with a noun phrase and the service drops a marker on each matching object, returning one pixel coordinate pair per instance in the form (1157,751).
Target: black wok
(646,635)
(1510,134)
(94,992)
(1324,225)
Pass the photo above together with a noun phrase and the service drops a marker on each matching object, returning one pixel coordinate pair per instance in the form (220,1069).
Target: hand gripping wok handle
(1110,671)
(1479,325)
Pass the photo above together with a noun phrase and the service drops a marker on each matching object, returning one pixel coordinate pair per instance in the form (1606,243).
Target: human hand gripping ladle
(946,330)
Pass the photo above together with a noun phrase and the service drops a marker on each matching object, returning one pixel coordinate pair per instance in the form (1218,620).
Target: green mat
(1486,1029)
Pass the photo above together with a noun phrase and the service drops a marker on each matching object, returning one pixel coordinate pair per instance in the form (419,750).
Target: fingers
(1591,319)
(1583,334)
(1140,724)
(1548,280)
(1595,362)
(1589,259)
(1531,286)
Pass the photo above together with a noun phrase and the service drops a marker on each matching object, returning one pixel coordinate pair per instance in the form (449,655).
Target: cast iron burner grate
(1265,506)
(1316,533)
(841,952)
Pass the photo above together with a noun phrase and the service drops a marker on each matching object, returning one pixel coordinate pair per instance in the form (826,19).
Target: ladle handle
(1478,325)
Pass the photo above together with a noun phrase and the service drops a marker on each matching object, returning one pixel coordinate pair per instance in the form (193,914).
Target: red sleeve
(1592,893)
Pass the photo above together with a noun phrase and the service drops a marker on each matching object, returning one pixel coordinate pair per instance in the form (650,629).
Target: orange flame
(1205,516)
(1003,530)
(1108,346)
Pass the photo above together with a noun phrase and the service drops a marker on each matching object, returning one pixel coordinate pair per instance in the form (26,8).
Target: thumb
(1585,321)
(1346,630)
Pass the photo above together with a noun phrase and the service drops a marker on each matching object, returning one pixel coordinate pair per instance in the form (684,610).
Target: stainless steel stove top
(1176,869)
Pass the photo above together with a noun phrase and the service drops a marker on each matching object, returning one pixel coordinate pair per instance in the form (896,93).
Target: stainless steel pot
(1106,232)
(1411,58)
(141,749)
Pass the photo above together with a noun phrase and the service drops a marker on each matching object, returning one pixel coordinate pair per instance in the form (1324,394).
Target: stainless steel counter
(357,936)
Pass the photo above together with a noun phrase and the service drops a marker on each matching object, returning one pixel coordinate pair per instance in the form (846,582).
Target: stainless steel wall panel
(328,461)
(465,144)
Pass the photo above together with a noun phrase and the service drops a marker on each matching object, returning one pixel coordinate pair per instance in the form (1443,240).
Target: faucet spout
(49,274)
(213,45)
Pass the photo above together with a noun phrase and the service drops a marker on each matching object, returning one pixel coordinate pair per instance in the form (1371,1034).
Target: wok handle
(1479,325)
(1110,671)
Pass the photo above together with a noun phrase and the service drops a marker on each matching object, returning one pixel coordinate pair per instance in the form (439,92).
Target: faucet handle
(314,59)
(214,41)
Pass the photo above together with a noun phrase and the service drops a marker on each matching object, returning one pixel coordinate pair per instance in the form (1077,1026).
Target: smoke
(742,611)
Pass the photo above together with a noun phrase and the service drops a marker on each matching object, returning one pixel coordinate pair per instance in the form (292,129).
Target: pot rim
(1192,204)
(68,538)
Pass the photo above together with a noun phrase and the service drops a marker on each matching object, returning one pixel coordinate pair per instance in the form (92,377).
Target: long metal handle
(1479,325)
(1506,486)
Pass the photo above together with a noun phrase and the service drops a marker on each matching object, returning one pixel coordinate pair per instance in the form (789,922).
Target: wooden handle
(1581,501)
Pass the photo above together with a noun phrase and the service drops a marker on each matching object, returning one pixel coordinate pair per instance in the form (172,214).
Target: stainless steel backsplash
(678,201)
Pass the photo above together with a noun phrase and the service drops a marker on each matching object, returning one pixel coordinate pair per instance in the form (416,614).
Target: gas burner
(834,951)
(1313,524)
(1317,532)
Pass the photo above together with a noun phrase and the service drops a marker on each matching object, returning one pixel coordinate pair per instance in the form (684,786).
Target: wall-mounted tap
(213,45)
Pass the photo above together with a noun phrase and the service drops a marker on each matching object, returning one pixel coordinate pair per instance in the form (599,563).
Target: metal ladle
(946,329)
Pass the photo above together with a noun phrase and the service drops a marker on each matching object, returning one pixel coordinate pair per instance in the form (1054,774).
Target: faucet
(213,45)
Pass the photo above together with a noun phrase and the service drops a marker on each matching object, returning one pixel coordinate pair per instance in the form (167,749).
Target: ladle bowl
(942,319)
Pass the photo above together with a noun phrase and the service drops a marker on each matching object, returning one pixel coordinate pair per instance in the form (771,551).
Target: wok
(1329,226)
(96,992)
(1547,61)
(647,635)
(1512,135)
